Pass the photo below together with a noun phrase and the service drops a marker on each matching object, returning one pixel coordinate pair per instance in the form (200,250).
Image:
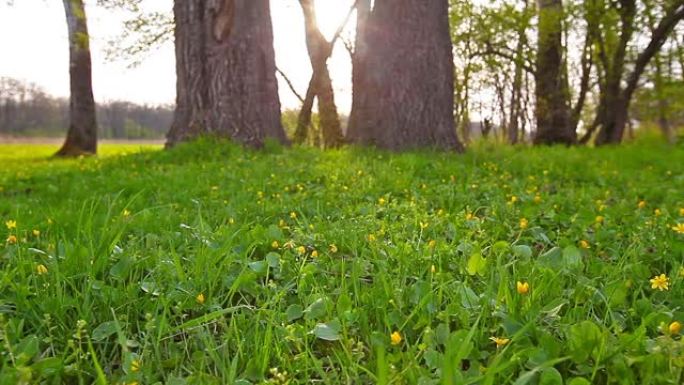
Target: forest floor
(210,264)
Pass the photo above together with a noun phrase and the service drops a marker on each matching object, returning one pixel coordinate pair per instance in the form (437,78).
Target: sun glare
(330,14)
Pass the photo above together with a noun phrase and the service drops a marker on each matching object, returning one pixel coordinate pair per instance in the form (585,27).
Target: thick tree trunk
(553,109)
(363,11)
(404,79)
(225,65)
(82,135)
(321,85)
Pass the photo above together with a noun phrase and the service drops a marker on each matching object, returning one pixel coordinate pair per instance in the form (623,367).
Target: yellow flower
(293,215)
(301,250)
(36,233)
(433,269)
(371,238)
(599,219)
(333,248)
(523,223)
(314,254)
(584,244)
(537,198)
(395,338)
(679,228)
(641,204)
(470,216)
(423,225)
(660,282)
(657,212)
(200,298)
(499,341)
(41,269)
(513,199)
(126,213)
(12,239)
(432,244)
(381,201)
(674,328)
(231,220)
(11,224)
(135,366)
(681,212)
(522,288)
(275,245)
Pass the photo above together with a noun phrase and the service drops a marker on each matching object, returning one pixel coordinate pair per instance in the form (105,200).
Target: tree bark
(82,135)
(404,85)
(225,64)
(553,109)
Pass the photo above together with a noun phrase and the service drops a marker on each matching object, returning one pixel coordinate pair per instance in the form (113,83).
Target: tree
(225,64)
(618,80)
(404,80)
(321,85)
(82,135)
(552,110)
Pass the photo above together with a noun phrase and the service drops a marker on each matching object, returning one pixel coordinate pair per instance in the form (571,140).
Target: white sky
(33,47)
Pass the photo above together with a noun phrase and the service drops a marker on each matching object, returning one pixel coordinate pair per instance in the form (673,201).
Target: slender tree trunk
(82,135)
(403,92)
(662,102)
(516,91)
(552,109)
(321,85)
(225,65)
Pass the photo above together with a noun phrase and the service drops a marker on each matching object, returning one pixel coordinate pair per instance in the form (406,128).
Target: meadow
(211,264)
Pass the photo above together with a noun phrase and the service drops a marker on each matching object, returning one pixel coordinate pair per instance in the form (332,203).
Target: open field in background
(210,264)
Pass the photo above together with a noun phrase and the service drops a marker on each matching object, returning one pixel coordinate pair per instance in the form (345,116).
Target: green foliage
(211,264)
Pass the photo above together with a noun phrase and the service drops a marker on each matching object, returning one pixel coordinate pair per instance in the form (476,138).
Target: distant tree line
(27,110)
(552,71)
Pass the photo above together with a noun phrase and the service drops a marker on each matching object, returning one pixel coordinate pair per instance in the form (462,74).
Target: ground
(209,264)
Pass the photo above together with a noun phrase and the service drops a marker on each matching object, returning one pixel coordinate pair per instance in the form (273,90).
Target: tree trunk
(659,85)
(404,83)
(225,64)
(552,109)
(321,85)
(82,135)
(615,117)
(363,12)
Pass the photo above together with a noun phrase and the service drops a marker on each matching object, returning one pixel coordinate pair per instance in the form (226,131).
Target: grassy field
(209,264)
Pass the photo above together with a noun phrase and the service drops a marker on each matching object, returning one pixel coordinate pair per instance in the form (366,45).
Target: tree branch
(289,84)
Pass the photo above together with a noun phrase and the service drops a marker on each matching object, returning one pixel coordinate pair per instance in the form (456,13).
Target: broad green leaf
(104,330)
(258,267)
(476,264)
(572,258)
(294,312)
(522,251)
(327,331)
(316,310)
(553,259)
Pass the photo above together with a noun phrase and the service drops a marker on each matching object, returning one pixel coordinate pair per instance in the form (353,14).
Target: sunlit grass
(210,264)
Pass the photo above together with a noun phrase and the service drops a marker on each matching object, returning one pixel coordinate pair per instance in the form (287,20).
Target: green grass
(210,264)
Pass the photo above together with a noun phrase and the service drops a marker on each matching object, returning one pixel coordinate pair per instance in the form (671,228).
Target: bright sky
(33,43)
